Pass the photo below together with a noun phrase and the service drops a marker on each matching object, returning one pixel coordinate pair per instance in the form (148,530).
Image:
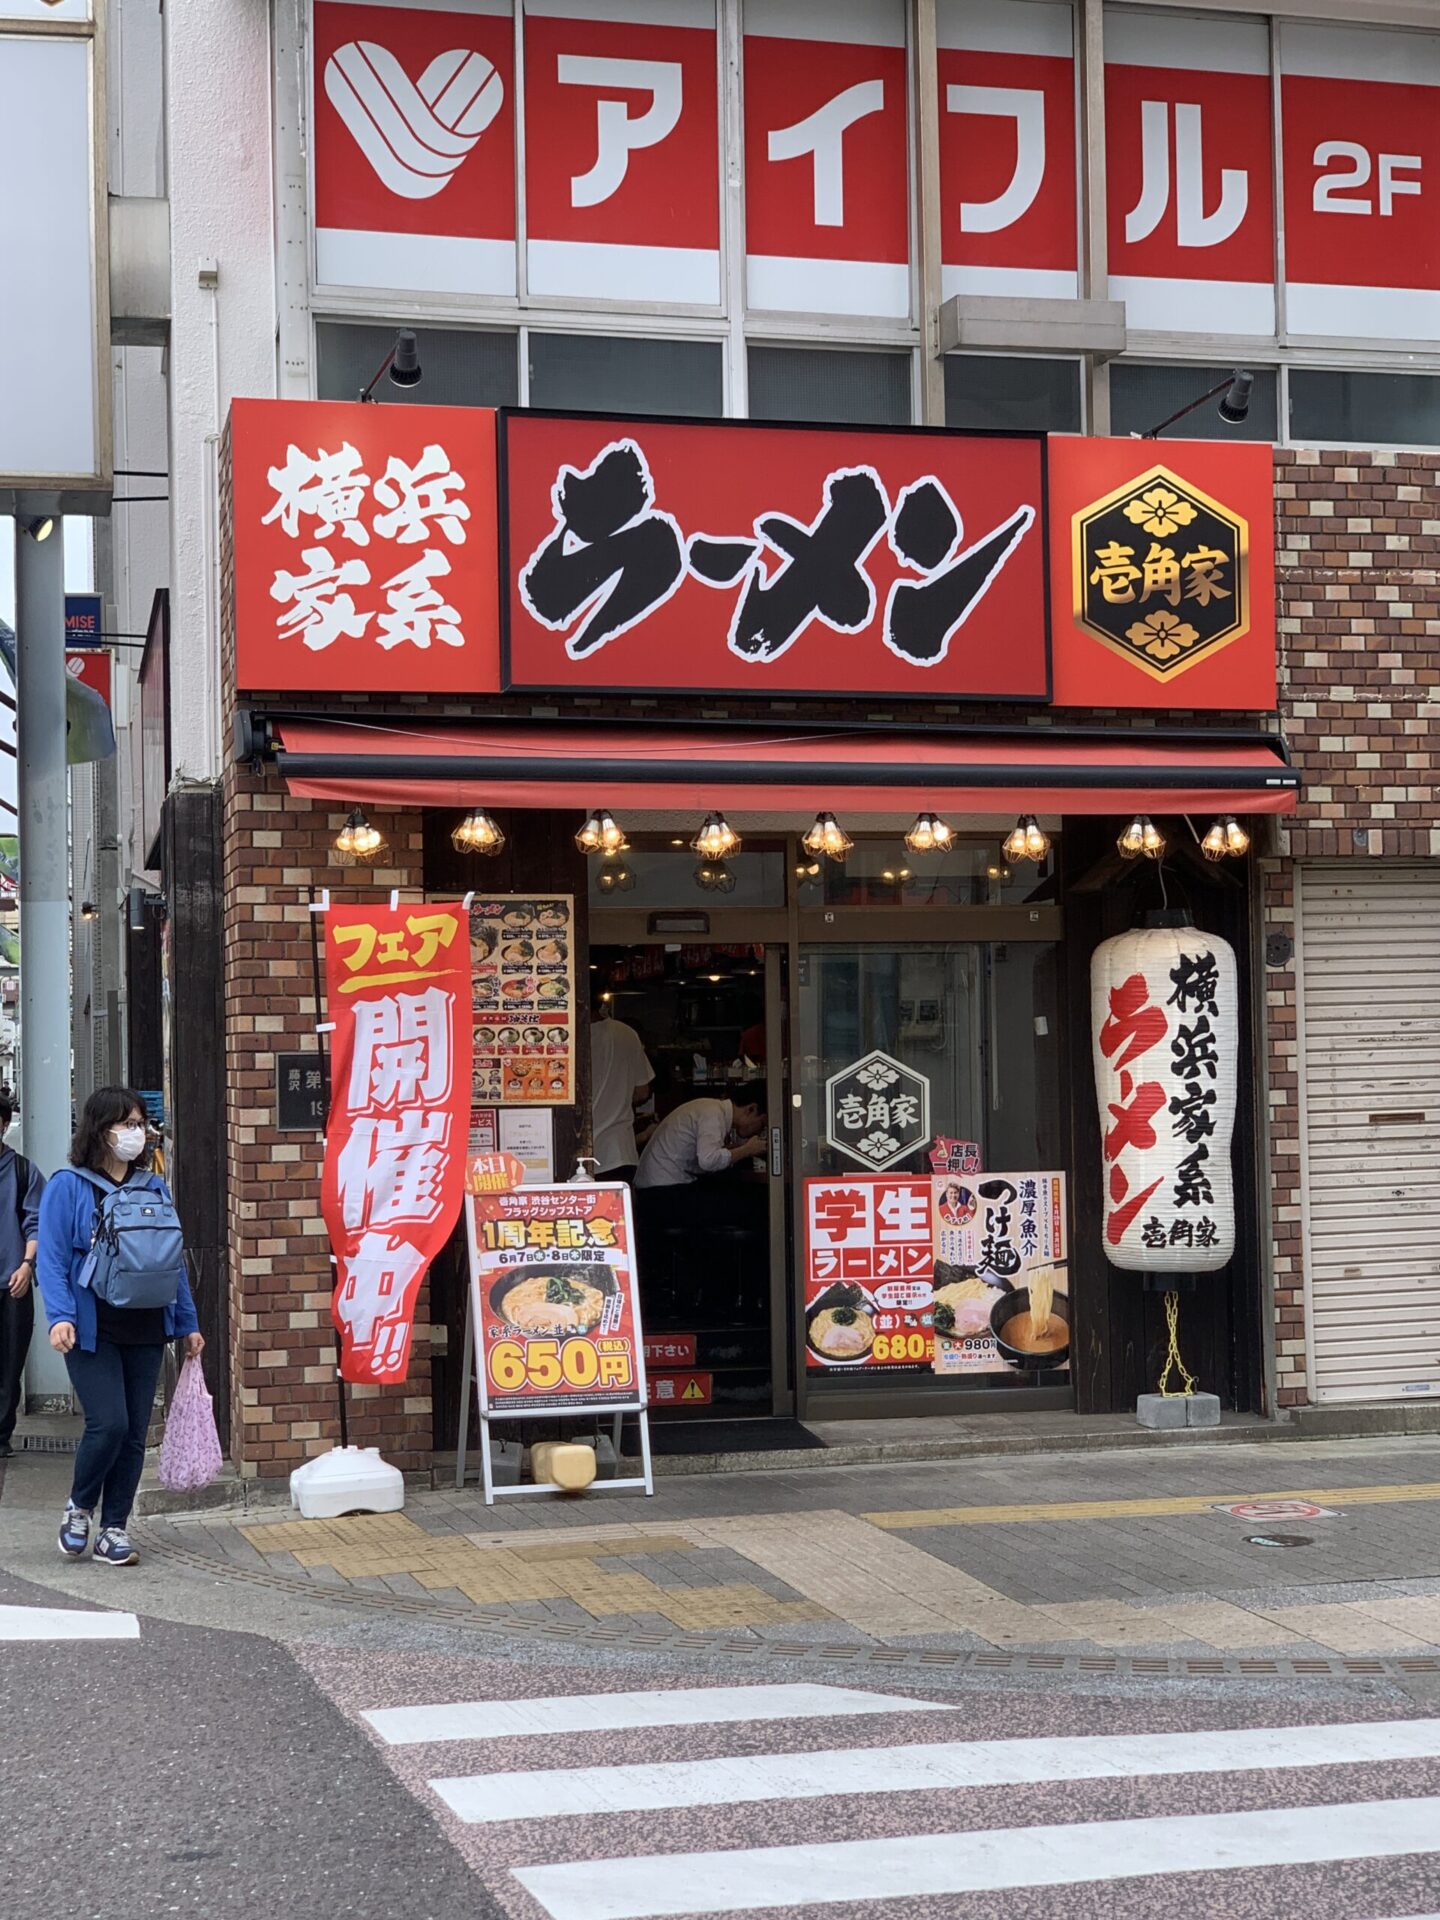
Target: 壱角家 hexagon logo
(877,1111)
(1161,573)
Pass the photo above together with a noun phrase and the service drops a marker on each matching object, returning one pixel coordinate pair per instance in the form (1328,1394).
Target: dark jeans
(116,1389)
(17,1323)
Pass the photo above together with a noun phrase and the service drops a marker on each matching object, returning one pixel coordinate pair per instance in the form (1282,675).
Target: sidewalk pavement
(1063,1557)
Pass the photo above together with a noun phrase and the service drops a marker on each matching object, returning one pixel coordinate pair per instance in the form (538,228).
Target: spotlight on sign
(827,836)
(1141,837)
(600,833)
(716,840)
(930,834)
(1026,841)
(357,839)
(478,833)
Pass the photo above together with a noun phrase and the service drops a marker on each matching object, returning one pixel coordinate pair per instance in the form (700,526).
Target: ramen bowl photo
(1020,1340)
(553,1299)
(840,1326)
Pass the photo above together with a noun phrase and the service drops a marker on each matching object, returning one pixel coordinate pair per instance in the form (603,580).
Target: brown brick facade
(1358,586)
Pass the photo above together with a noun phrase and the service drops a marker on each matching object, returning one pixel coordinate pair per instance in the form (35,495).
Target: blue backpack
(137,1246)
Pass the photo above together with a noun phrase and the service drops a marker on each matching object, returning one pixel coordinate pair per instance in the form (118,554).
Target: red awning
(523,763)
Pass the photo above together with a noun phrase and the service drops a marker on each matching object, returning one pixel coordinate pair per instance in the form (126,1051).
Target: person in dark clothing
(21,1186)
(112,1353)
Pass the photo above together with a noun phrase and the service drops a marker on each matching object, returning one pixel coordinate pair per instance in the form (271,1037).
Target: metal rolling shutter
(1370,1064)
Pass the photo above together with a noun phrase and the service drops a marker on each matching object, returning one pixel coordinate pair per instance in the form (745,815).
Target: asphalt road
(194,1771)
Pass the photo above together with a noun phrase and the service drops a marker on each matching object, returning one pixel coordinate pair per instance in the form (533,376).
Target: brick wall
(282,1339)
(1358,584)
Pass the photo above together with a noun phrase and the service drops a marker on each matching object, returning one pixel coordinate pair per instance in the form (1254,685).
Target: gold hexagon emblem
(1161,573)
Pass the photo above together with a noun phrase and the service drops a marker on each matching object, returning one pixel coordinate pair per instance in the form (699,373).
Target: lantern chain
(1172,1355)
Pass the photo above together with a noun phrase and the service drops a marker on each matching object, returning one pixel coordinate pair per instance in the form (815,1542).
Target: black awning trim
(773,773)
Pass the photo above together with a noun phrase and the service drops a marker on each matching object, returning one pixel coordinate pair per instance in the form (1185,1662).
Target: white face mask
(127,1143)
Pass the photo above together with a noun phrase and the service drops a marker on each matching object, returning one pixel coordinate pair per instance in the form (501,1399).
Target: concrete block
(506,1458)
(1160,1410)
(1202,1410)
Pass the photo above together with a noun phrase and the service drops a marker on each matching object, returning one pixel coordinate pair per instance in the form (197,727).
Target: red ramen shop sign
(764,559)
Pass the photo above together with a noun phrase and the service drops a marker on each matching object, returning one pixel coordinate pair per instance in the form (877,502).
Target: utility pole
(43,794)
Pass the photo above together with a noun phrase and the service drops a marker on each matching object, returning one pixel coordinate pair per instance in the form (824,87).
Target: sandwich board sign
(554,1323)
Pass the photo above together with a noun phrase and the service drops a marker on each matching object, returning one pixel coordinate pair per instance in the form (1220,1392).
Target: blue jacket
(67,1220)
(19,1213)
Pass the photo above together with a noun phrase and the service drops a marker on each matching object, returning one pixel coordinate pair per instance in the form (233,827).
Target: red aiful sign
(760,559)
(398,987)
(364,547)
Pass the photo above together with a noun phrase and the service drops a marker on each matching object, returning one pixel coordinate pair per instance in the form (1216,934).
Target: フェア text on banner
(398,984)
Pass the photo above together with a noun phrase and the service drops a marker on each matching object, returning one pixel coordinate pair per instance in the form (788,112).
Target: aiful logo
(415,134)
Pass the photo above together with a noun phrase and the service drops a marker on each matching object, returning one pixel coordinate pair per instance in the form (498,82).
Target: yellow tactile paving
(1346,1627)
(284,1536)
(1109,1623)
(375,1546)
(883,1586)
(624,1546)
(910,1519)
(852,1568)
(1227,1628)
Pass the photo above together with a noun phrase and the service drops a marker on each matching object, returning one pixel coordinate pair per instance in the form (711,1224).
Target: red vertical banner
(826,163)
(398,985)
(414,146)
(1361,120)
(622,154)
(1189,172)
(1008,180)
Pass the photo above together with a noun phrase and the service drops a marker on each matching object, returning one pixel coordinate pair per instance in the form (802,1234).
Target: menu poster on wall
(553,1279)
(869,1258)
(522,958)
(994,1232)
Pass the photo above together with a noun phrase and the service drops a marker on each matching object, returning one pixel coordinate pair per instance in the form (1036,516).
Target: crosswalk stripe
(65,1623)
(615,1712)
(987,1861)
(548,1793)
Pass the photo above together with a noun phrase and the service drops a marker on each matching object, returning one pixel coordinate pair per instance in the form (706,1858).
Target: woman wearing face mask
(113,1353)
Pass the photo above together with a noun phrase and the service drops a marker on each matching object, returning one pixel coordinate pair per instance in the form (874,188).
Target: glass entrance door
(896,1043)
(709,1019)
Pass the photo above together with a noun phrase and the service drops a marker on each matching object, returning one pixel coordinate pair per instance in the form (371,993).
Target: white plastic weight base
(346,1480)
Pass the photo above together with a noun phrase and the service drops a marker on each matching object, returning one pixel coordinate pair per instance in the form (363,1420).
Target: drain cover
(44,1443)
(1278,1540)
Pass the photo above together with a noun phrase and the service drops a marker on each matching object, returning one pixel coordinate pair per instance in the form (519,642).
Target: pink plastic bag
(190,1454)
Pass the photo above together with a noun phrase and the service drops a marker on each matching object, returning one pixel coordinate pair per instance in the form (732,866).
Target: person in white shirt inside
(705,1137)
(620,1080)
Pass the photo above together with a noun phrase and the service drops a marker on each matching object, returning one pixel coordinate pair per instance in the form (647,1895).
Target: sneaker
(74,1530)
(115,1549)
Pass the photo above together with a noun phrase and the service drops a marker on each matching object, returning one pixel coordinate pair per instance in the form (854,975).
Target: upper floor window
(458,368)
(623,373)
(1363,409)
(870,389)
(1145,392)
(1012,393)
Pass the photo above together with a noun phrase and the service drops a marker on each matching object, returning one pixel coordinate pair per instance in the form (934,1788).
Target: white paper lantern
(1164,1018)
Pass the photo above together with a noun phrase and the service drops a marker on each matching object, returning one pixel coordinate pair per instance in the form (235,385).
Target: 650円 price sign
(556,1314)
